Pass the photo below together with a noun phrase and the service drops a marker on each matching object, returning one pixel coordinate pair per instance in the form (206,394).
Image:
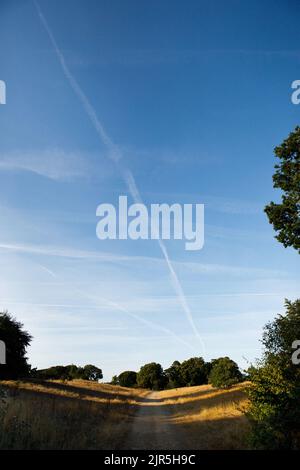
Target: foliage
(275,391)
(69,372)
(127,378)
(285,217)
(189,373)
(152,376)
(115,380)
(174,376)
(194,371)
(16,340)
(89,372)
(224,373)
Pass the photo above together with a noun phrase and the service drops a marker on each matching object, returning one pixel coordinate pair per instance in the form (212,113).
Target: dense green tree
(275,385)
(69,372)
(152,376)
(16,341)
(128,378)
(56,373)
(174,376)
(285,217)
(91,372)
(194,371)
(224,373)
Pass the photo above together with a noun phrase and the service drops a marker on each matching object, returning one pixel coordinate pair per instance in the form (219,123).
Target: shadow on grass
(51,415)
(228,433)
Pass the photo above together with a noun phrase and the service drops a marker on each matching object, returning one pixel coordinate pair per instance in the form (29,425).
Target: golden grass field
(85,415)
(209,418)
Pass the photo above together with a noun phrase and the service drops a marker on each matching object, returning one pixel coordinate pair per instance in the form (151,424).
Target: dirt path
(152,427)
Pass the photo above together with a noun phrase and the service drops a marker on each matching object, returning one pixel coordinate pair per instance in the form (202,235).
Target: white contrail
(115,154)
(119,307)
(47,270)
(148,323)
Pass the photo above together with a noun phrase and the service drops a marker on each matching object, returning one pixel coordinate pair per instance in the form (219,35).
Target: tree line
(69,372)
(221,373)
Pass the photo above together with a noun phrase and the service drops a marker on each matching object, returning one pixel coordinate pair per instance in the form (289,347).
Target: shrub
(275,390)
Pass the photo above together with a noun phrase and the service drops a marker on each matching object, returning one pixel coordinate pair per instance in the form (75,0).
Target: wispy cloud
(193,267)
(233,206)
(55,163)
(157,57)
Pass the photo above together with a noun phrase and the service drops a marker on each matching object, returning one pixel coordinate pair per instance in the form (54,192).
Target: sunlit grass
(72,415)
(213,419)
(85,415)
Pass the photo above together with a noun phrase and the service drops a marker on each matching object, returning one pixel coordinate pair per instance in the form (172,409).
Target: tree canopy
(174,376)
(194,371)
(191,372)
(128,378)
(224,373)
(16,341)
(69,372)
(152,376)
(285,217)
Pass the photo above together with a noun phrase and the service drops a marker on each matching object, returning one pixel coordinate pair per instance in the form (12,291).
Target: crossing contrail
(115,154)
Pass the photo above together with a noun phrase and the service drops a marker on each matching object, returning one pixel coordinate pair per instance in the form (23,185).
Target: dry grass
(210,418)
(85,415)
(72,415)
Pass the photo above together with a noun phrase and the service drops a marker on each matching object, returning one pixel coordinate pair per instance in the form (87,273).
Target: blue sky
(194,95)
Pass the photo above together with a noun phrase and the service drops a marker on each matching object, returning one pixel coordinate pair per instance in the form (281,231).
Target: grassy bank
(72,415)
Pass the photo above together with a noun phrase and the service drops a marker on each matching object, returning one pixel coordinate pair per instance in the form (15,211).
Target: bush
(115,380)
(275,390)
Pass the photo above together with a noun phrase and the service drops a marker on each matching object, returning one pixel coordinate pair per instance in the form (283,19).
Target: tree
(194,371)
(16,341)
(128,378)
(224,373)
(275,385)
(69,372)
(285,217)
(91,372)
(151,376)
(174,376)
(115,380)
